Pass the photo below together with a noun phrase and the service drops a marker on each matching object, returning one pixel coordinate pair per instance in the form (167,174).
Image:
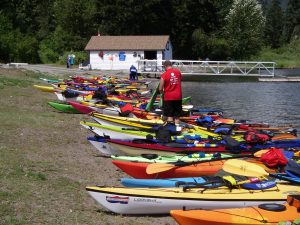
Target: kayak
(114,131)
(155,158)
(137,146)
(44,88)
(137,123)
(113,119)
(152,124)
(63,107)
(188,181)
(286,177)
(82,108)
(125,200)
(118,121)
(123,133)
(288,143)
(141,170)
(263,214)
(170,182)
(102,146)
(138,169)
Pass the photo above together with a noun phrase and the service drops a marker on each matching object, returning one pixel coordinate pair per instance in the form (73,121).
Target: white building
(120,52)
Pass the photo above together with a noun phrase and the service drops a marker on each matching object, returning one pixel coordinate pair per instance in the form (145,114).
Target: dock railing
(226,68)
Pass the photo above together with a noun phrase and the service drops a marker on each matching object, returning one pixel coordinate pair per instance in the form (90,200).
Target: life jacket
(133,69)
(274,158)
(126,109)
(256,138)
(204,120)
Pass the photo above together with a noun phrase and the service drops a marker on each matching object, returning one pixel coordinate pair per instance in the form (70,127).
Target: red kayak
(140,146)
(138,169)
(81,108)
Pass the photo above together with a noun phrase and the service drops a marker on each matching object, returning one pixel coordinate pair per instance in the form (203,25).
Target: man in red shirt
(170,86)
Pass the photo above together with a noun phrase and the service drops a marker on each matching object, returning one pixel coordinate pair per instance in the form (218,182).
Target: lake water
(275,103)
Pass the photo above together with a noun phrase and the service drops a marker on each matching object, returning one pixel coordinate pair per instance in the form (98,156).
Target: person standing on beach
(132,73)
(170,87)
(68,61)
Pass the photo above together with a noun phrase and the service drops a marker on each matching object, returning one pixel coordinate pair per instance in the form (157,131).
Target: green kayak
(63,107)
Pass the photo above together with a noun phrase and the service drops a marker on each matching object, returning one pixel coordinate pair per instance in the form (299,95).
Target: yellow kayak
(161,200)
(45,88)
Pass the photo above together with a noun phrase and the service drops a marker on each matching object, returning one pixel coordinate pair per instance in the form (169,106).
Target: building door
(150,55)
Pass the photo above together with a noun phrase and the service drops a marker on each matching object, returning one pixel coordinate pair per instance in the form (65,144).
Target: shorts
(172,108)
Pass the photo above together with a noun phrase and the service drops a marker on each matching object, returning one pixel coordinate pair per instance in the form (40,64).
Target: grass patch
(4,81)
(285,57)
(46,161)
(36,176)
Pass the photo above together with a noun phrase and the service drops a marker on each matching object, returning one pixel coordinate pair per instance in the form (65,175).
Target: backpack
(163,135)
(232,145)
(164,132)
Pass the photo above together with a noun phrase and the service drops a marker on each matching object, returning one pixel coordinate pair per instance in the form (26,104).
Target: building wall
(122,60)
(114,60)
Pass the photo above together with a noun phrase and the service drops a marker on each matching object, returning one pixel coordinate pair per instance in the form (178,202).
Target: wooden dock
(279,79)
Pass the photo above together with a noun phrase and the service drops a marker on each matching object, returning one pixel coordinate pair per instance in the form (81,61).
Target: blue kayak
(205,182)
(171,182)
(286,177)
(294,143)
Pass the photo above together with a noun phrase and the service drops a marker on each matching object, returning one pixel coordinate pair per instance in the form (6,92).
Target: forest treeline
(45,31)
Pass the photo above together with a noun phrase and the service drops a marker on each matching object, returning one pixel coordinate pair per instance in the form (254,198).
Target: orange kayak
(267,214)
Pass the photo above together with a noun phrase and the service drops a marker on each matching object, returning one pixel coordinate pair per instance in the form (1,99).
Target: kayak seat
(182,183)
(149,156)
(143,141)
(211,182)
(272,207)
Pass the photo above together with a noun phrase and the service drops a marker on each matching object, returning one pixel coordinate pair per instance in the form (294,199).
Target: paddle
(259,153)
(152,99)
(244,168)
(162,167)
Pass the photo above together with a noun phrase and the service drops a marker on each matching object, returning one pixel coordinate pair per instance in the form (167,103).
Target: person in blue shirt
(132,73)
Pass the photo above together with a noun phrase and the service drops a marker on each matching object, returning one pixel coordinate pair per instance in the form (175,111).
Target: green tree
(244,28)
(200,43)
(6,38)
(54,46)
(14,45)
(76,19)
(188,17)
(274,25)
(292,20)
